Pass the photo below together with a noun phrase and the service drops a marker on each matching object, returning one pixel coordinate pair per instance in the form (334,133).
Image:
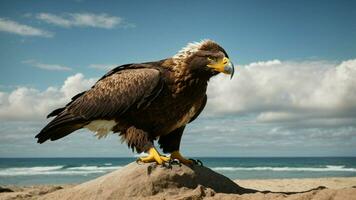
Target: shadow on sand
(221,184)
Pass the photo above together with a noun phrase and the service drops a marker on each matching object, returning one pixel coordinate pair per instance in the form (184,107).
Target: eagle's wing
(115,93)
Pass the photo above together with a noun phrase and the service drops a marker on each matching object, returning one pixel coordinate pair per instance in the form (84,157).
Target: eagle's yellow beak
(223,65)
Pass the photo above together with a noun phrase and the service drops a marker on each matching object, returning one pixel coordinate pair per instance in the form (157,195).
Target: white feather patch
(190,49)
(101,128)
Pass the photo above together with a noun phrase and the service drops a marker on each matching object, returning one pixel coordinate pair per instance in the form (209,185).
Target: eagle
(145,102)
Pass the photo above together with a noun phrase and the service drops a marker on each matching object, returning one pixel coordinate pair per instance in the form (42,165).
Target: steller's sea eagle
(144,102)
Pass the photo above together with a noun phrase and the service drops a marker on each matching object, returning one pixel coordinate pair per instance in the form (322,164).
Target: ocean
(28,171)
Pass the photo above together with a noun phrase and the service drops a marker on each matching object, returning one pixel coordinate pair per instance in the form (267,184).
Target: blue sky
(292,95)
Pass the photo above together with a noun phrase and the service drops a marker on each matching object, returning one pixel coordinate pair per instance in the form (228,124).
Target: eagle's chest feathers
(185,118)
(189,93)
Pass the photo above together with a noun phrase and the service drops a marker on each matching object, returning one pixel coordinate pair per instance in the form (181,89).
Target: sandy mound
(149,181)
(152,181)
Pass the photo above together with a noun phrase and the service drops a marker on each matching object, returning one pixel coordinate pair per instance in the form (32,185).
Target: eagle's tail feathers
(59,127)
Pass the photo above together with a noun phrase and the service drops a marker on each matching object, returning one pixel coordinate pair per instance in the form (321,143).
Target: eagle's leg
(154,156)
(178,156)
(170,144)
(140,140)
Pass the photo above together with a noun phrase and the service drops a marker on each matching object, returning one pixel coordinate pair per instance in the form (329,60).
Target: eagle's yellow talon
(154,156)
(178,156)
(165,158)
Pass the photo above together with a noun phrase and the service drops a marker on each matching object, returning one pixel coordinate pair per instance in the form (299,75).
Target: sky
(293,93)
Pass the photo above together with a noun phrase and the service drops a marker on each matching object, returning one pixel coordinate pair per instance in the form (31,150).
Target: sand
(149,181)
(298,185)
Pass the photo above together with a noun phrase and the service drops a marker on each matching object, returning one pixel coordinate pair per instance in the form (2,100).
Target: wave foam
(56,170)
(86,170)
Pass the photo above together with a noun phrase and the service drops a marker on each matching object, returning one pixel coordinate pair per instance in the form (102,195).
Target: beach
(37,171)
(253,178)
(298,185)
(334,185)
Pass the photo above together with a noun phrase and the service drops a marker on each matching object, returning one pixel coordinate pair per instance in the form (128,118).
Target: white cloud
(26,103)
(53,67)
(103,66)
(76,84)
(295,94)
(289,92)
(22,29)
(307,104)
(82,20)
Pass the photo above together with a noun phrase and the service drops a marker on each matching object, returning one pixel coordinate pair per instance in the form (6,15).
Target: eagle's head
(205,58)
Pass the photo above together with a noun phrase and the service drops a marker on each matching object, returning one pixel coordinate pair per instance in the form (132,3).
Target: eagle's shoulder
(161,66)
(117,69)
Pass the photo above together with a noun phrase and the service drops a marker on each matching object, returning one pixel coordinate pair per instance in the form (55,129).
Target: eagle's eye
(212,59)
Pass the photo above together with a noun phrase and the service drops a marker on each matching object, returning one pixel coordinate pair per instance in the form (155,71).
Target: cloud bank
(26,103)
(275,107)
(22,29)
(312,93)
(308,93)
(66,20)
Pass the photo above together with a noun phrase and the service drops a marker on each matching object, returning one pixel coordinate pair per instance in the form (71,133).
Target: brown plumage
(142,102)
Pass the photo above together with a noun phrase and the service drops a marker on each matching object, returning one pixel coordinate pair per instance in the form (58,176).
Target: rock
(3,189)
(151,181)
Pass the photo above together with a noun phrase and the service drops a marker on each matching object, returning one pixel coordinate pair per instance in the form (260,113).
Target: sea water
(28,171)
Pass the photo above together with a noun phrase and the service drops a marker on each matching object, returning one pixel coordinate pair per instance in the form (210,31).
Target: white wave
(55,170)
(32,169)
(328,168)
